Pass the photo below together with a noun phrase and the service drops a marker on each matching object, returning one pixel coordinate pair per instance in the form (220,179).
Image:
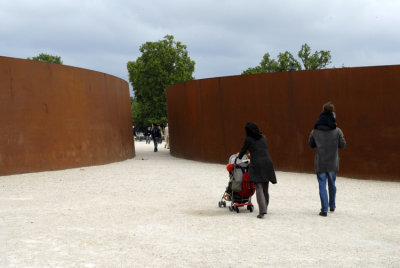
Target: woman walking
(261,169)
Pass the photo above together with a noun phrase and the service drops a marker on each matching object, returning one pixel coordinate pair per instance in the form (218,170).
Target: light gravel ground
(159,211)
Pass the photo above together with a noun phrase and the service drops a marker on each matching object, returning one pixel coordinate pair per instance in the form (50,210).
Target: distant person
(147,133)
(327,138)
(156,135)
(261,169)
(134,131)
(166,133)
(161,135)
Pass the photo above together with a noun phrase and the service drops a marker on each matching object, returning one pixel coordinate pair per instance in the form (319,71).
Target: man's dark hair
(328,107)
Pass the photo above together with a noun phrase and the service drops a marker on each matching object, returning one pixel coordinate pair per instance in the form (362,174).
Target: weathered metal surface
(207,117)
(55,117)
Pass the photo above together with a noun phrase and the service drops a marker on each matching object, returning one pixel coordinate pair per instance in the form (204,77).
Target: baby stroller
(240,189)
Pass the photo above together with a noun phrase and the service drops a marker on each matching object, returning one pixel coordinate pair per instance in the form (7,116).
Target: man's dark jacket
(327,138)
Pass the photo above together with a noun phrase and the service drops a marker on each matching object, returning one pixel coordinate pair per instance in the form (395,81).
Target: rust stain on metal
(57,117)
(206,117)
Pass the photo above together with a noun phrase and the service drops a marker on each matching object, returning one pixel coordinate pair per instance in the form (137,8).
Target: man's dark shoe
(332,209)
(323,214)
(260,216)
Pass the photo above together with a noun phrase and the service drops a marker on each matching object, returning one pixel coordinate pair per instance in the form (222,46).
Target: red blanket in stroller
(248,187)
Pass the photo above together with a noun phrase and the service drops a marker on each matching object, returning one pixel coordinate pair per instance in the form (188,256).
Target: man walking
(148,135)
(326,137)
(155,134)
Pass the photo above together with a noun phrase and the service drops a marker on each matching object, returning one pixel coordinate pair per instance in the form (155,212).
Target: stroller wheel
(220,204)
(250,208)
(237,209)
(224,203)
(230,208)
(227,197)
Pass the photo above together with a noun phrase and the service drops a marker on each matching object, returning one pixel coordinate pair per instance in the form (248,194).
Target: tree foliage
(47,58)
(318,60)
(161,64)
(287,62)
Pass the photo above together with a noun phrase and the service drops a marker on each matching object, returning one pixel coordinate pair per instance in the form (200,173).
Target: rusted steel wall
(207,117)
(55,117)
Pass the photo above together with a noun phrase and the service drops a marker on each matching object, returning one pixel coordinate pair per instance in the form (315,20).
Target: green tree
(47,58)
(267,65)
(162,64)
(287,62)
(137,115)
(318,60)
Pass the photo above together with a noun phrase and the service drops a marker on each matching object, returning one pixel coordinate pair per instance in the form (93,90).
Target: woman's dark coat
(261,168)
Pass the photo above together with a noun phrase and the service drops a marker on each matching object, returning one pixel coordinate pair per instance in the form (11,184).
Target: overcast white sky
(223,37)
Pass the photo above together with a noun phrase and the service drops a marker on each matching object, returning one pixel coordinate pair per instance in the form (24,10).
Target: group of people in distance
(155,133)
(326,137)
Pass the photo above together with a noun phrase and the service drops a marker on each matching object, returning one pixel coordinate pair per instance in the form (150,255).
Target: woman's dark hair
(252,130)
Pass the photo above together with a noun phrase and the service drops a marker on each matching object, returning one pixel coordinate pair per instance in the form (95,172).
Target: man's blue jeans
(331,178)
(155,143)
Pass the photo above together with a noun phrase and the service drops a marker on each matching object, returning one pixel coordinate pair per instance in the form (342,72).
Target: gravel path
(159,211)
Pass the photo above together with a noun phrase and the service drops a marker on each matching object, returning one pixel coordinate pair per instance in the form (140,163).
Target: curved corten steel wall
(55,117)
(207,117)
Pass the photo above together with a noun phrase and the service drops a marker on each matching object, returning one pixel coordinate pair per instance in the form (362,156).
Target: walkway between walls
(157,210)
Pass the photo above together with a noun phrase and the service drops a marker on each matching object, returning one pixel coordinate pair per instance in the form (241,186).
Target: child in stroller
(239,190)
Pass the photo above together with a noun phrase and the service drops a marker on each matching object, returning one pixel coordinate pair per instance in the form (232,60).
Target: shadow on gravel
(213,213)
